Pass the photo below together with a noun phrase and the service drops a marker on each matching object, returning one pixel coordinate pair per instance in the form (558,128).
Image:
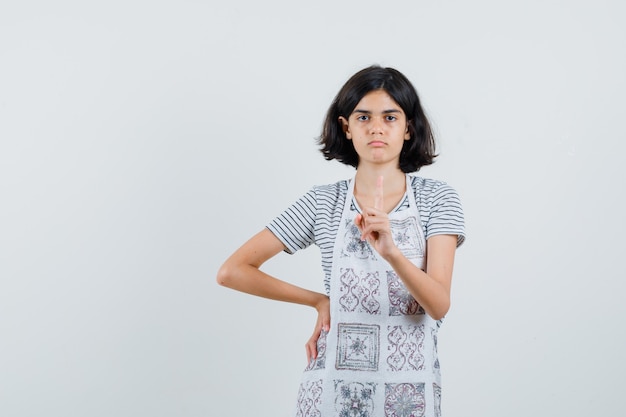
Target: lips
(377,143)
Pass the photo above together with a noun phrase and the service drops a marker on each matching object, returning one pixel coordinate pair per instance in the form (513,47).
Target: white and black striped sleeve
(446,213)
(295,227)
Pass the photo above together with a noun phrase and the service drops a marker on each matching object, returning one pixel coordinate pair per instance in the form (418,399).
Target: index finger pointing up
(378,198)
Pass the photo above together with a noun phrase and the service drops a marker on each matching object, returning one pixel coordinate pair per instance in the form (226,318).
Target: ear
(345,127)
(407,132)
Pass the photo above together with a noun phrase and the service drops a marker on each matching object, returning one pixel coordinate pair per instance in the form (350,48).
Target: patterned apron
(380,356)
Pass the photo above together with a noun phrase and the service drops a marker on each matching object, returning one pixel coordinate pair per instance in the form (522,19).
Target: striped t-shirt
(314,218)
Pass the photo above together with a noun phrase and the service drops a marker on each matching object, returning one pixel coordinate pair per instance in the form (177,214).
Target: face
(377,128)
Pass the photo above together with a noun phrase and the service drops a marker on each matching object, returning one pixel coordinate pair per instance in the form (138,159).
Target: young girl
(387,241)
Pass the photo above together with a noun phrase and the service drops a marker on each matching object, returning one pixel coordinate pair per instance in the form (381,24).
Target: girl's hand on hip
(322,325)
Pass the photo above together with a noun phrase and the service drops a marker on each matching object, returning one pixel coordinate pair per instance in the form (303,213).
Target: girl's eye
(391,118)
(362,118)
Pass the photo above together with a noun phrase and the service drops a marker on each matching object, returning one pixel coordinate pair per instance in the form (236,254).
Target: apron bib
(380,356)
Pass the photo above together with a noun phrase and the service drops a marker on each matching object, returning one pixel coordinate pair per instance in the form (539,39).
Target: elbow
(440,311)
(224,276)
(437,316)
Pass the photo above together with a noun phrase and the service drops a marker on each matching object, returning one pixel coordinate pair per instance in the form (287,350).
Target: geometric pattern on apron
(354,398)
(405,237)
(309,399)
(358,347)
(360,291)
(406,344)
(405,400)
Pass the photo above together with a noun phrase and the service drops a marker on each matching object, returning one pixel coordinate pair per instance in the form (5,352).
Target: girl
(387,241)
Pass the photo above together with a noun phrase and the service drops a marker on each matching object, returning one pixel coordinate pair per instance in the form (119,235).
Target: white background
(143,141)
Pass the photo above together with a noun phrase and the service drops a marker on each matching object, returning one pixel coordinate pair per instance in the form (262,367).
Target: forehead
(377,101)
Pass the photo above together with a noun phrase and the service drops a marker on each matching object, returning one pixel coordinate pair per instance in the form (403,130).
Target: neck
(394,182)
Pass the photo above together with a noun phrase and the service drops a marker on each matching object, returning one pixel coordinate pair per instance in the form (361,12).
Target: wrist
(321,303)
(394,255)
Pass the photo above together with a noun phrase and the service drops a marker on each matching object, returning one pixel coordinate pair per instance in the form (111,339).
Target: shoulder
(332,189)
(428,189)
(330,194)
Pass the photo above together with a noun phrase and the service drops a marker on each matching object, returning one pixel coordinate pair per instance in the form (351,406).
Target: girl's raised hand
(374,223)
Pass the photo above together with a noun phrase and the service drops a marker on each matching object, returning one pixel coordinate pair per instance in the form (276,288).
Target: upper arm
(254,252)
(258,249)
(440,250)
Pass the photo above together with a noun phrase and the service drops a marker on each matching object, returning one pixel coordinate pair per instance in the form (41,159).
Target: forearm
(431,294)
(251,280)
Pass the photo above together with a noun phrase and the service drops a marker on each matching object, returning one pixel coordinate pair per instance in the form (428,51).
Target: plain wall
(141,142)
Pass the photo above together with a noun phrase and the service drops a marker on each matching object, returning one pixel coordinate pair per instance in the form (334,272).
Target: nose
(376,125)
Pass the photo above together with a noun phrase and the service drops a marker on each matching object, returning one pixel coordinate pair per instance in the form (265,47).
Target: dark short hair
(416,152)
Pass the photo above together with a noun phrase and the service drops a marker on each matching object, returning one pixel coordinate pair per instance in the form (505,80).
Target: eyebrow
(368,112)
